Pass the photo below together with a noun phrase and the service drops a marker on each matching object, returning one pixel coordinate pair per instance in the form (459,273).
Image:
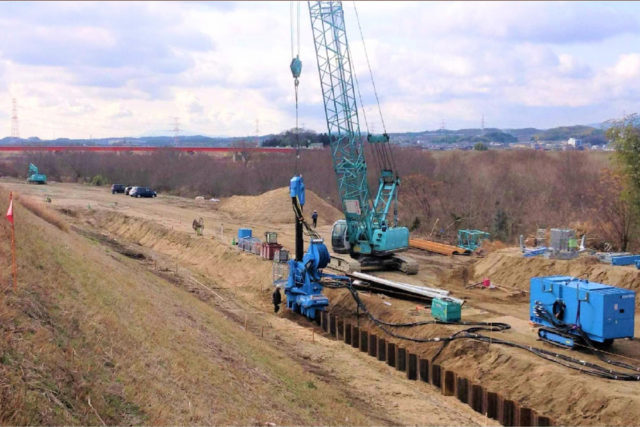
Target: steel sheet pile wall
(492,404)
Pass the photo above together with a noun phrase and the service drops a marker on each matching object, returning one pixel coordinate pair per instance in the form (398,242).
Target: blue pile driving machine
(303,287)
(574,310)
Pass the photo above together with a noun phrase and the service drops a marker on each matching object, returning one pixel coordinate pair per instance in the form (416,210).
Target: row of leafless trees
(505,192)
(513,193)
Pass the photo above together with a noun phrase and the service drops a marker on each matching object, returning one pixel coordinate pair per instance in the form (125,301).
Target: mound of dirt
(489,246)
(275,207)
(509,267)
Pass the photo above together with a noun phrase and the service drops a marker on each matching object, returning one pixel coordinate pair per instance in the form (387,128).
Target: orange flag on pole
(10,210)
(13,242)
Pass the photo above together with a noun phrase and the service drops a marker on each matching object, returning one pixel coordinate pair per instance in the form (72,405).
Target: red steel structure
(124,148)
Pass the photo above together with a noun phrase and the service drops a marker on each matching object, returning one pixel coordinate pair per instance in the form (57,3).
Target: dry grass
(85,325)
(49,367)
(43,211)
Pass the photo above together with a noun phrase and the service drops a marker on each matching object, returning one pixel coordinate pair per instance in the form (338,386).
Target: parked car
(128,190)
(142,192)
(117,188)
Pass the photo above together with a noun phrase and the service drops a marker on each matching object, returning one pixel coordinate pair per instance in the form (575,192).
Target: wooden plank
(439,248)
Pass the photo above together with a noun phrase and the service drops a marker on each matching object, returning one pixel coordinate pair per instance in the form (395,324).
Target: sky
(110,69)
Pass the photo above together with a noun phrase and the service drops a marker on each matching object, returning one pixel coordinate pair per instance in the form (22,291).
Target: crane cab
(339,242)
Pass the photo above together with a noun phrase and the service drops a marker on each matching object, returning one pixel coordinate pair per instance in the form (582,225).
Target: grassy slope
(85,325)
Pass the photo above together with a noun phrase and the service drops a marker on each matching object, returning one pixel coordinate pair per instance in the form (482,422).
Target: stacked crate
(270,245)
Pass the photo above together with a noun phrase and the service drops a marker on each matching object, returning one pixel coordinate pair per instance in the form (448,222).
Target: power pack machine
(572,310)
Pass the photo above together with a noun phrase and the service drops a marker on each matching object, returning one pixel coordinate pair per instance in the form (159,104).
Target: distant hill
(594,135)
(157,141)
(588,134)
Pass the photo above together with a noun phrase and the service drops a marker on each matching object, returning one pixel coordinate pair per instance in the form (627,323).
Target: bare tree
(245,155)
(612,210)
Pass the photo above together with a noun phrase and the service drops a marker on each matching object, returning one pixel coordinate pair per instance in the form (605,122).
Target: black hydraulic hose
(543,313)
(297,209)
(579,365)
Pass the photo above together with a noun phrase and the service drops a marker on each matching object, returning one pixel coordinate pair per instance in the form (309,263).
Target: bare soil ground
(239,286)
(187,328)
(510,268)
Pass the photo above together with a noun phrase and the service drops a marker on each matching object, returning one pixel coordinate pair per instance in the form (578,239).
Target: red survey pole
(14,266)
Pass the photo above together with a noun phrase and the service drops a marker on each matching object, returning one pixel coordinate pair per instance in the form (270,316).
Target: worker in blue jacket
(314,217)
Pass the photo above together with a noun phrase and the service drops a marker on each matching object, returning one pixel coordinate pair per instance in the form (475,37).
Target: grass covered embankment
(91,336)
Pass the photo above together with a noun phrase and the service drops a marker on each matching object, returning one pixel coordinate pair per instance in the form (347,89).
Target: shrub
(99,180)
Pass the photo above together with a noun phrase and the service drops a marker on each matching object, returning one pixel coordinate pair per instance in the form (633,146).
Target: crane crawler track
(395,262)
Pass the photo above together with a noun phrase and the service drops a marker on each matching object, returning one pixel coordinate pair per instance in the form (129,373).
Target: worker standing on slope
(198,226)
(314,217)
(276,298)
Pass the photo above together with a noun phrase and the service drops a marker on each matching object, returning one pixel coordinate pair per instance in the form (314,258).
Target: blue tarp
(625,259)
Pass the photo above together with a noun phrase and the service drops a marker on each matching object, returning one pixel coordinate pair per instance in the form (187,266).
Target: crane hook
(296,68)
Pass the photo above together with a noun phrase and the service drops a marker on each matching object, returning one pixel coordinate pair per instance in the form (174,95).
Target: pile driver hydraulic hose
(582,366)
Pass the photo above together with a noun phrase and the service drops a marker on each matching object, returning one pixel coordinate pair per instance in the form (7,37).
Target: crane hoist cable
(373,83)
(297,209)
(296,69)
(383,153)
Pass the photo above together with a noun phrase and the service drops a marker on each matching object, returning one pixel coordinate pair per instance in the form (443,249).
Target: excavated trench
(508,385)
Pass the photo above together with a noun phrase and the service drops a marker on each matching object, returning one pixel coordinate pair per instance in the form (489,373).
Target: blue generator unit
(570,309)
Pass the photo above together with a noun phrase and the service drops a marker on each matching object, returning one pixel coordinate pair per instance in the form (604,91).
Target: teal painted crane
(365,233)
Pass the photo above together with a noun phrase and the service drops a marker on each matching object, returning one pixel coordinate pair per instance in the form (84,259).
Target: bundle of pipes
(423,291)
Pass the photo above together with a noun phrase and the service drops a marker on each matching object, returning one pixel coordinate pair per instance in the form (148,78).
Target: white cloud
(570,66)
(536,22)
(129,68)
(628,67)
